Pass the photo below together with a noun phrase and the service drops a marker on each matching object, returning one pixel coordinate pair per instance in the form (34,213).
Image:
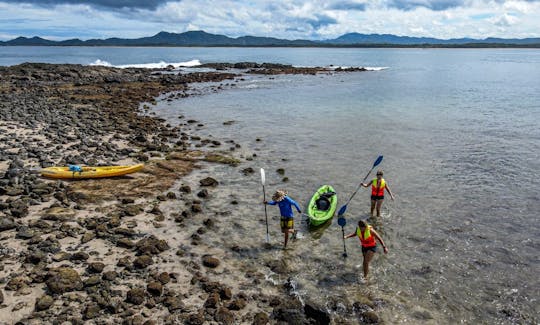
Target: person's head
(379,173)
(279,195)
(362,224)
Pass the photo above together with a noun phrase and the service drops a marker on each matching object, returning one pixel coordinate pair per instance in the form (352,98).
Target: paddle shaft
(266,215)
(360,185)
(344,247)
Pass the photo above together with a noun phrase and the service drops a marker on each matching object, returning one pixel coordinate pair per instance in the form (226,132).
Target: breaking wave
(157,65)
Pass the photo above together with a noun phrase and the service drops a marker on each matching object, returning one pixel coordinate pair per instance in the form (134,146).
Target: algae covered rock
(64,279)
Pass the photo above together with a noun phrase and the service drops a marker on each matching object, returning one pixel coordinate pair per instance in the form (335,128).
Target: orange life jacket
(366,239)
(378,191)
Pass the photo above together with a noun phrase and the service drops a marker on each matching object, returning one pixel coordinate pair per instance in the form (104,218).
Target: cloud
(505,20)
(436,5)
(347,5)
(291,19)
(112,4)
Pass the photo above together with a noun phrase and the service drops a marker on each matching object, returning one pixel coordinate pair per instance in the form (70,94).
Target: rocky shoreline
(103,251)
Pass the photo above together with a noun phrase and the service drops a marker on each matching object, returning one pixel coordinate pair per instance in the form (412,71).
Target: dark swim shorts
(377,198)
(366,249)
(287,223)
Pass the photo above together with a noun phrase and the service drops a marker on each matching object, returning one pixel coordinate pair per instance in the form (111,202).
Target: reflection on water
(461,146)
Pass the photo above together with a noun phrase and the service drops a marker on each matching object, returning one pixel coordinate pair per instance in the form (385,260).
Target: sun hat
(279,195)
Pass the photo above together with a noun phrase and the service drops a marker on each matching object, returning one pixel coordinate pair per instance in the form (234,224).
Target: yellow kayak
(90,172)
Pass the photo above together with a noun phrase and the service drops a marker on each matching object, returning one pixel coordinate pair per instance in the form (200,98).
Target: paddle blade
(263,177)
(342,210)
(378,161)
(342,221)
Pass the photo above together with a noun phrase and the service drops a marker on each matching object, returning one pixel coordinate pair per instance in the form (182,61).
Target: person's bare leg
(286,233)
(373,202)
(379,205)
(367,258)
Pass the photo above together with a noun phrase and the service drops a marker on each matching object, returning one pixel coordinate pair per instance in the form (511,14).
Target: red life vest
(366,239)
(378,191)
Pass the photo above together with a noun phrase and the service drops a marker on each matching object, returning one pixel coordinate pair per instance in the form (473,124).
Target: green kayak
(322,205)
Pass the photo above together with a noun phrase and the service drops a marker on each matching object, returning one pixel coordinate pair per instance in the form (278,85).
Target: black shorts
(377,198)
(286,223)
(366,249)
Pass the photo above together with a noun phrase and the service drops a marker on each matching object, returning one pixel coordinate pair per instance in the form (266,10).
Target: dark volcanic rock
(79,256)
(143,261)
(261,319)
(16,283)
(248,171)
(58,214)
(155,288)
(109,276)
(135,296)
(164,278)
(44,302)
(96,267)
(185,189)
(224,316)
(203,193)
(91,311)
(212,301)
(370,317)
(151,245)
(7,223)
(210,261)
(317,313)
(174,303)
(63,279)
(237,304)
(208,181)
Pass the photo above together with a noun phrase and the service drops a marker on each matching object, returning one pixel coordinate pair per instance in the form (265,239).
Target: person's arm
(365,184)
(380,240)
(350,235)
(389,192)
(270,202)
(293,202)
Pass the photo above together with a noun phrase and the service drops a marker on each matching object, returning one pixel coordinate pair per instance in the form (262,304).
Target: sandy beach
(136,249)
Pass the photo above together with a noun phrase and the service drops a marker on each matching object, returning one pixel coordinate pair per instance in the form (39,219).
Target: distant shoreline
(423,46)
(350,40)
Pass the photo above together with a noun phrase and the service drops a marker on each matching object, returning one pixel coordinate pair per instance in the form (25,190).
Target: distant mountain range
(201,38)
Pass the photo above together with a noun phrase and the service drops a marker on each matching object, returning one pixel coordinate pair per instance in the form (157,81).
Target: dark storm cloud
(320,21)
(437,5)
(348,5)
(112,4)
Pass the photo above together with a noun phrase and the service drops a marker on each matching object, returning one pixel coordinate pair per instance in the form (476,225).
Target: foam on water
(155,65)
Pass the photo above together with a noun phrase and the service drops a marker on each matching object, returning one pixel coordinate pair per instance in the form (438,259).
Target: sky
(289,19)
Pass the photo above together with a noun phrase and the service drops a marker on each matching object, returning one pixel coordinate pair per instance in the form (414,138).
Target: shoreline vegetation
(350,40)
(131,249)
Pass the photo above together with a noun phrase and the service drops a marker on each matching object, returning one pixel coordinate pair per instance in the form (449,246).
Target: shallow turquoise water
(460,132)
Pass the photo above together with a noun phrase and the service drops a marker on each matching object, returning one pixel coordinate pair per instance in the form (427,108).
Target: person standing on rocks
(285,204)
(378,185)
(367,235)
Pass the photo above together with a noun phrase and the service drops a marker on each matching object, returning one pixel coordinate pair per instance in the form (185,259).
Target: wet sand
(134,249)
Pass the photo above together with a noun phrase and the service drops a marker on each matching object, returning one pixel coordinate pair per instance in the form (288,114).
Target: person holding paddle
(367,235)
(378,185)
(285,204)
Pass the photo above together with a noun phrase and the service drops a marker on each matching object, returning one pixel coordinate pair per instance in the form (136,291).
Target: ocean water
(460,133)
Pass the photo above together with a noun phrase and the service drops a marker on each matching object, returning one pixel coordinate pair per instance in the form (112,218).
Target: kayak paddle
(264,199)
(344,208)
(342,222)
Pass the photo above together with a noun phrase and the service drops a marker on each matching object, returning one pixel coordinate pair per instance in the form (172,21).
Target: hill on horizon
(202,38)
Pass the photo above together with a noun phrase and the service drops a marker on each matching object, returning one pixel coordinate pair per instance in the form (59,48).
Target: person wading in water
(367,236)
(285,204)
(378,185)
